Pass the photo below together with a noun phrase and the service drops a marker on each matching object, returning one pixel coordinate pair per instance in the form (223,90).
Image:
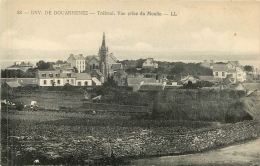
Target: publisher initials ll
(173,14)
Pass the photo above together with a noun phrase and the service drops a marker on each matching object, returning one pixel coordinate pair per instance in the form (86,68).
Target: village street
(243,154)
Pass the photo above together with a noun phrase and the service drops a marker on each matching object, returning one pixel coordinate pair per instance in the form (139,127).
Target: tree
(75,69)
(110,82)
(43,65)
(178,68)
(248,68)
(60,62)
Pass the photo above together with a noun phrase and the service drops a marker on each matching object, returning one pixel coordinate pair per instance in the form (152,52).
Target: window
(79,83)
(216,73)
(51,82)
(44,82)
(57,75)
(86,83)
(68,81)
(69,74)
(93,66)
(223,74)
(50,75)
(43,75)
(58,81)
(97,67)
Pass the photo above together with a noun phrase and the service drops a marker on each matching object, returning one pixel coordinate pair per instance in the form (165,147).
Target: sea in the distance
(256,63)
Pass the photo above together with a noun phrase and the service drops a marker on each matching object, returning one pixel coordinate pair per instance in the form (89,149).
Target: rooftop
(83,76)
(13,84)
(220,67)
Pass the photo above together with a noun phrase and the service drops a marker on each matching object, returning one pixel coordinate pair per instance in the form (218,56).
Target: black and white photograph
(140,82)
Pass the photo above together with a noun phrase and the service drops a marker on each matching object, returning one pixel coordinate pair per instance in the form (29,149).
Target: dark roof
(83,76)
(220,67)
(13,84)
(67,75)
(26,81)
(47,74)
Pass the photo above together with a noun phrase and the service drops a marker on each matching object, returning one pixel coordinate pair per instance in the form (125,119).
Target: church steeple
(104,41)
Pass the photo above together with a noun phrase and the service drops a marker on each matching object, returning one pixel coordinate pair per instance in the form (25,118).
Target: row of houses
(54,78)
(230,69)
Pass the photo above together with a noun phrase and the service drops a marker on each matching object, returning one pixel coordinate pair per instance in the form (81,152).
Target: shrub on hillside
(237,112)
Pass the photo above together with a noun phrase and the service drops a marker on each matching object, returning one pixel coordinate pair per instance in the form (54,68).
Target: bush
(19,106)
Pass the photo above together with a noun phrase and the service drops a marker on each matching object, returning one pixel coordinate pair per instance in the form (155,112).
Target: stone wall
(147,143)
(139,143)
(57,95)
(117,107)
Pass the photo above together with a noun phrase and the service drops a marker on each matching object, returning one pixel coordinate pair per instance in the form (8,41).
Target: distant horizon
(252,62)
(199,31)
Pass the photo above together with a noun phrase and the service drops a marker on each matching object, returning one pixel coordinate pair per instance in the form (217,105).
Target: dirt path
(243,154)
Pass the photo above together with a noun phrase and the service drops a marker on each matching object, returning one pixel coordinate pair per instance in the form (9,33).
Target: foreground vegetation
(69,128)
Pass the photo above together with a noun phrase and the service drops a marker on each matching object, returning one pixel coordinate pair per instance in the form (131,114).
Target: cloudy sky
(201,30)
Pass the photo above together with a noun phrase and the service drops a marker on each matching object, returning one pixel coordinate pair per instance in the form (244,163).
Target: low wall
(116,107)
(147,143)
(57,95)
(141,143)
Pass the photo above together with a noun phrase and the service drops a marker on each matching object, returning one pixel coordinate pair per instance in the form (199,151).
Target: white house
(150,63)
(68,78)
(83,79)
(232,68)
(49,78)
(77,61)
(220,70)
(55,78)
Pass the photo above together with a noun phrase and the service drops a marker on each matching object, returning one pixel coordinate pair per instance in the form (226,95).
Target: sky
(201,30)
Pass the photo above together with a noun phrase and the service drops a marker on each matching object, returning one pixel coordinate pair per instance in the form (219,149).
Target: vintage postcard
(130,82)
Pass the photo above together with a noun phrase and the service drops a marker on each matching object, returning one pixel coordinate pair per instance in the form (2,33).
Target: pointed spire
(104,42)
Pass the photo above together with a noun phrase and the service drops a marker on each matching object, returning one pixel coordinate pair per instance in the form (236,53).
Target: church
(104,64)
